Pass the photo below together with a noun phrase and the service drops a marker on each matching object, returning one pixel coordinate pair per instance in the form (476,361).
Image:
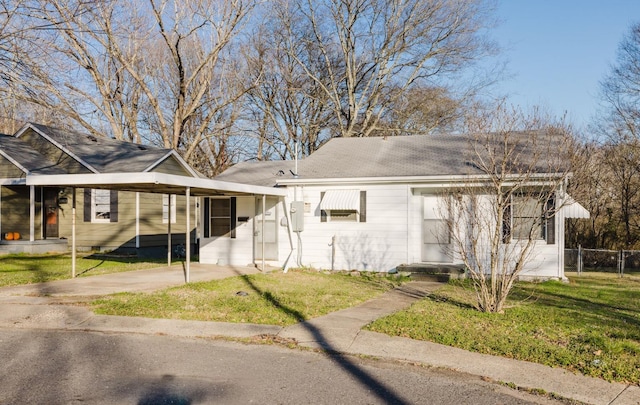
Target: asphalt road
(62,367)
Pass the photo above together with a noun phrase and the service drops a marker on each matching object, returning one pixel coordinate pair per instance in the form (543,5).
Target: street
(67,367)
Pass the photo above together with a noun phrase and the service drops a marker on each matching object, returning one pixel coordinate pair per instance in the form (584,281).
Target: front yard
(16,269)
(590,325)
(272,298)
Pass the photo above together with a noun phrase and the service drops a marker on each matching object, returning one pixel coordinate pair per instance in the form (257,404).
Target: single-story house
(38,218)
(62,189)
(357,203)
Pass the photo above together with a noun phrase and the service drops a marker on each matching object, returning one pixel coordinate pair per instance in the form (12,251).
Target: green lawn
(590,325)
(274,298)
(16,269)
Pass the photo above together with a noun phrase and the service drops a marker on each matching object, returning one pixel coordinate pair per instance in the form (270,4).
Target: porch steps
(432,272)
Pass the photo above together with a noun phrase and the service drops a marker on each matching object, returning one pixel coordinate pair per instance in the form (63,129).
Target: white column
(264,208)
(169,231)
(137,220)
(32,213)
(73,233)
(187,233)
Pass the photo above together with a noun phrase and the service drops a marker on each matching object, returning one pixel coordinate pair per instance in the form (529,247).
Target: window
(343,206)
(220,217)
(100,206)
(526,217)
(530,217)
(165,208)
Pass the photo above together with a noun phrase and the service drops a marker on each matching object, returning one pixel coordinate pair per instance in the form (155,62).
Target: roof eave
(438,179)
(152,182)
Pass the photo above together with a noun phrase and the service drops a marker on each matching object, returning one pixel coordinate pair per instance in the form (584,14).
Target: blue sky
(558,51)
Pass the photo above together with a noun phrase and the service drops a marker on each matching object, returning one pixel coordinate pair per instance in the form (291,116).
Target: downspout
(287,214)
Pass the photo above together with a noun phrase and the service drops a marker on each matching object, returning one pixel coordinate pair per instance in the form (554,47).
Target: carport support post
(73,232)
(187,234)
(264,215)
(169,233)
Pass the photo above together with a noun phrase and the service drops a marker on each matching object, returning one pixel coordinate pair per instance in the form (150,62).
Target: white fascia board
(58,145)
(149,178)
(178,157)
(14,162)
(425,180)
(13,182)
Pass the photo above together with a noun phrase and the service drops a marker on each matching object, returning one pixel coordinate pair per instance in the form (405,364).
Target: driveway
(129,281)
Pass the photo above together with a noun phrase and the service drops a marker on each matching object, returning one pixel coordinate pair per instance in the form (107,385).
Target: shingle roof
(106,155)
(375,157)
(26,157)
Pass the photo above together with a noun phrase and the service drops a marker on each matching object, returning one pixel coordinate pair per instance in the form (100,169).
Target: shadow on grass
(385,393)
(595,310)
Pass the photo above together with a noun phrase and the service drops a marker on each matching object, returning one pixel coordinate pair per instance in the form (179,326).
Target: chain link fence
(602,260)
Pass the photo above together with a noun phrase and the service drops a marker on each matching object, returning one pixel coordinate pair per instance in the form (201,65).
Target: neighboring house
(106,219)
(356,203)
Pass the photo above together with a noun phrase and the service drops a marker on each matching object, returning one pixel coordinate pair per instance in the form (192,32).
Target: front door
(270,233)
(50,212)
(436,243)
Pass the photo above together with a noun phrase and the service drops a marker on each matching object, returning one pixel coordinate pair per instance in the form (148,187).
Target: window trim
(94,203)
(207,224)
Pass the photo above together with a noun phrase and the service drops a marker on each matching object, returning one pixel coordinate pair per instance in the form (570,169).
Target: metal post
(579,260)
(168,230)
(621,273)
(264,208)
(187,235)
(32,213)
(73,233)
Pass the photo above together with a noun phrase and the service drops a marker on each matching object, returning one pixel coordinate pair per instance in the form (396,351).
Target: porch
(35,246)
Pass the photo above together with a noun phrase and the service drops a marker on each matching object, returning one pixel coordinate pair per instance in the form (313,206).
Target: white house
(356,203)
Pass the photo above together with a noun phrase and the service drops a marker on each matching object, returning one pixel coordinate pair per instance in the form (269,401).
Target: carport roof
(153,182)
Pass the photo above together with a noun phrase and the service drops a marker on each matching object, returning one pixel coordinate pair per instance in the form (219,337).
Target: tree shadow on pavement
(382,391)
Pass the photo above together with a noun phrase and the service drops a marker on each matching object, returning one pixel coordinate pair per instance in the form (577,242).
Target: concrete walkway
(41,306)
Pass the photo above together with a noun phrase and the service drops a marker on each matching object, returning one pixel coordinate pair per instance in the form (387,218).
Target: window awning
(573,209)
(341,200)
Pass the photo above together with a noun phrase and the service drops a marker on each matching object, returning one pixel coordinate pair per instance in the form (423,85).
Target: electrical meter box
(297,216)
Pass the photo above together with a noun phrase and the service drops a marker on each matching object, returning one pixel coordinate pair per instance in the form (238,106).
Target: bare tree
(372,51)
(148,73)
(618,127)
(518,168)
(287,112)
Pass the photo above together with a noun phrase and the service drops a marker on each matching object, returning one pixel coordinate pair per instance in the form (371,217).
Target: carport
(154,182)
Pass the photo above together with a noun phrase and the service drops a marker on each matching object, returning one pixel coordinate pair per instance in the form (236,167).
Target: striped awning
(573,209)
(341,200)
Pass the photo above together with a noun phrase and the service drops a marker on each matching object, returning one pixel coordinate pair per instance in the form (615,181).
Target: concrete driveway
(129,281)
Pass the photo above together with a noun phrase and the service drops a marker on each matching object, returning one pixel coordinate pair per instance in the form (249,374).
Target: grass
(273,298)
(590,325)
(17,269)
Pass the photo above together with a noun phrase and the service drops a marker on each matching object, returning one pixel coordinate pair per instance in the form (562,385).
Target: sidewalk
(27,307)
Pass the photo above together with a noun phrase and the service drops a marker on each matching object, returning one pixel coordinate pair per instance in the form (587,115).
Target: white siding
(236,251)
(391,235)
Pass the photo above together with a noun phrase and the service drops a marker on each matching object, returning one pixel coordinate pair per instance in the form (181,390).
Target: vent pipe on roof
(295,158)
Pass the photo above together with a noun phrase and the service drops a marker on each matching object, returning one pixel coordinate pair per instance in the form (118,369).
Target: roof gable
(25,158)
(102,154)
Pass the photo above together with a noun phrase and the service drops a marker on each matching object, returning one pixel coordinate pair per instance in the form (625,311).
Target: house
(38,218)
(359,203)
